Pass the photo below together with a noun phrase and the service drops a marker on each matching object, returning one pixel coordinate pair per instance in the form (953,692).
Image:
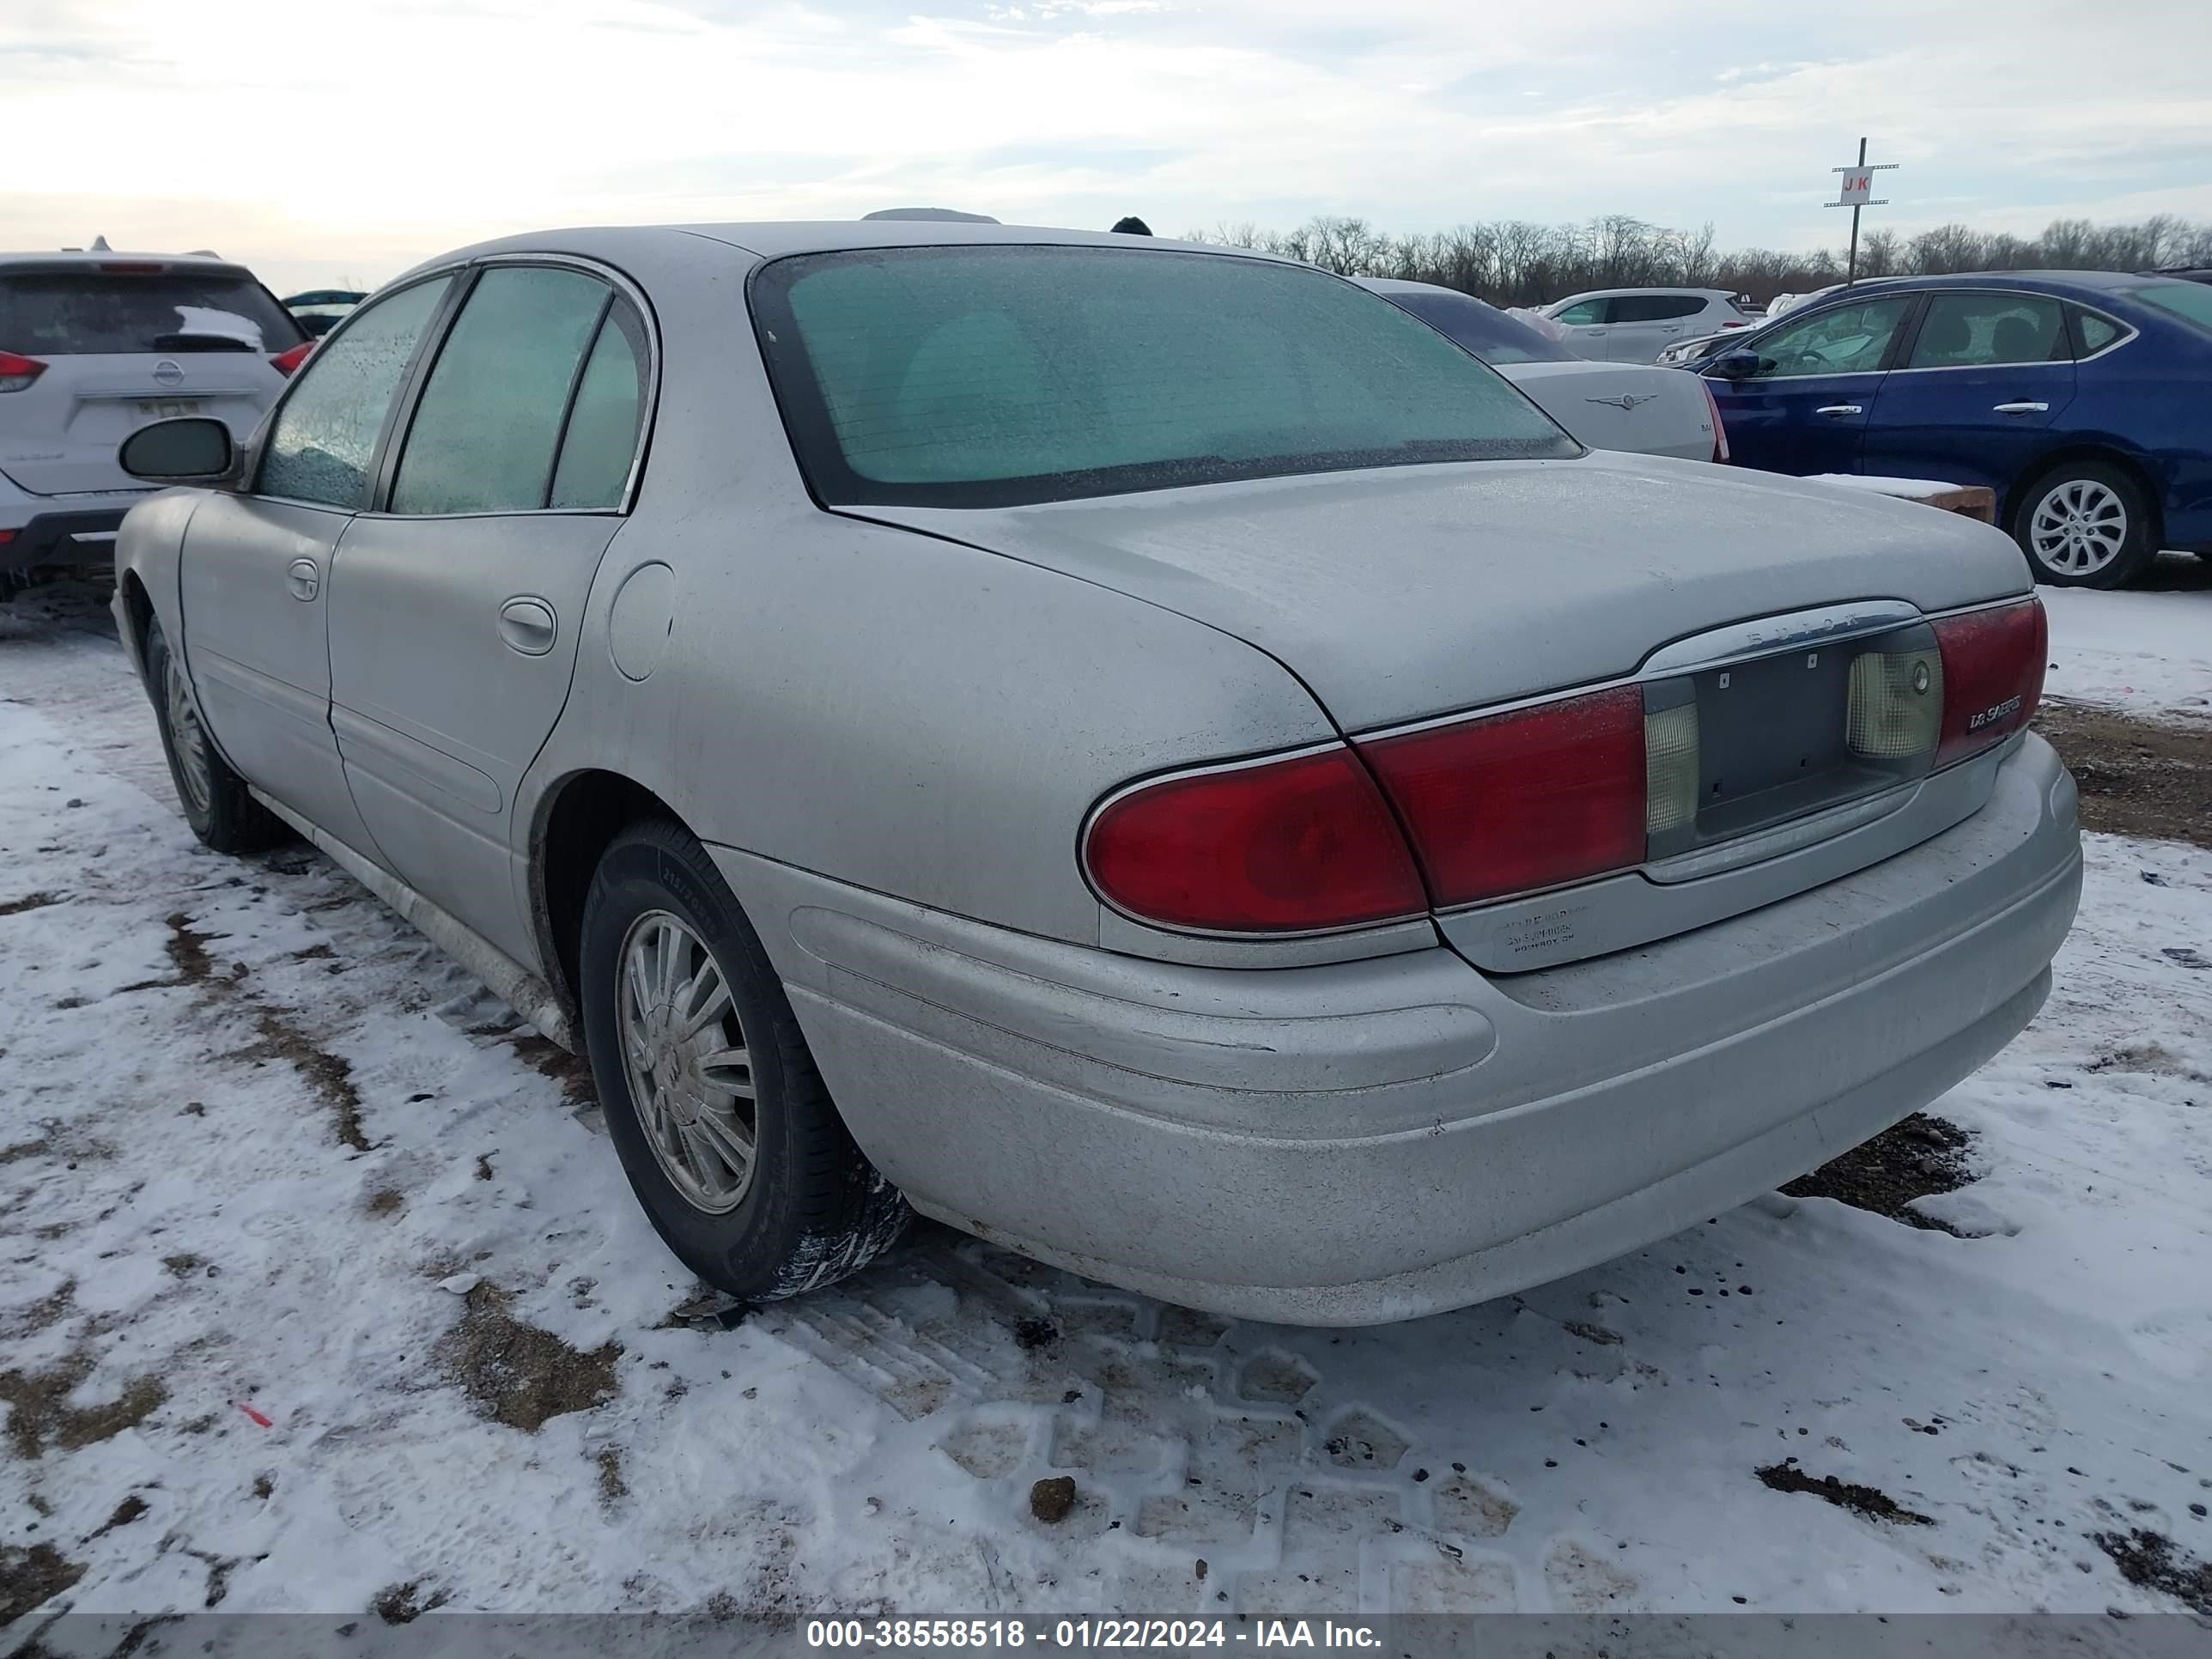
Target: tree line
(1515,262)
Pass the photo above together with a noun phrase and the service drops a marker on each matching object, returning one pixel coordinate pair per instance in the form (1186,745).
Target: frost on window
(325,434)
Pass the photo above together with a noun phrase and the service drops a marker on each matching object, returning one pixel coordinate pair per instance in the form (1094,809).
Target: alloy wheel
(2079,526)
(684,1056)
(194,775)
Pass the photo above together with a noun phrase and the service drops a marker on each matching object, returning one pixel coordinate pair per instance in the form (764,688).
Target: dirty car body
(1245,809)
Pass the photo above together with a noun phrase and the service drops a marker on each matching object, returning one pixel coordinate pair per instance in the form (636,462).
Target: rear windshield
(2190,300)
(55,313)
(1486,331)
(988,376)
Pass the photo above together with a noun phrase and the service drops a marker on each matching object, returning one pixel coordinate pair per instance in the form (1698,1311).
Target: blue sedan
(2082,398)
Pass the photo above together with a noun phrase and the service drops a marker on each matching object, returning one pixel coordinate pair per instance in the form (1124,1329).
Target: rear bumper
(1376,1140)
(80,537)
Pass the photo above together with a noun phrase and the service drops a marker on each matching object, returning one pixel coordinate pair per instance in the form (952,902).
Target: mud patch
(612,1487)
(39,1414)
(28,902)
(31,1577)
(2152,1560)
(522,1376)
(1917,1158)
(1868,1501)
(2136,777)
(47,1311)
(328,1075)
(402,1604)
(572,1072)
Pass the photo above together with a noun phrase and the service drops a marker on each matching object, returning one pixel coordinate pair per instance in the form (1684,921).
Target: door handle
(1839,410)
(2021,409)
(304,580)
(527,626)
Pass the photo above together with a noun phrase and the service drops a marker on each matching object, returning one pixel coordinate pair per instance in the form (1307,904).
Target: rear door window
(2096,330)
(601,441)
(485,433)
(1970,331)
(325,434)
(60,313)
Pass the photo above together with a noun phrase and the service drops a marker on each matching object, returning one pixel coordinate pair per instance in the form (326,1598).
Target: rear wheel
(2084,524)
(722,1122)
(217,802)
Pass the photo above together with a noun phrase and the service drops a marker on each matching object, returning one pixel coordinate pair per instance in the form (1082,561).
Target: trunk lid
(1627,406)
(1403,594)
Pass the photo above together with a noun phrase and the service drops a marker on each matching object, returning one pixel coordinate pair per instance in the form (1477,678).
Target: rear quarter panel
(2151,400)
(875,704)
(148,548)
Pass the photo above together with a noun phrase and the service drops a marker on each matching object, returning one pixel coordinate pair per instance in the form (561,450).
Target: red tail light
(16,373)
(1510,802)
(1993,664)
(1720,429)
(284,362)
(1282,846)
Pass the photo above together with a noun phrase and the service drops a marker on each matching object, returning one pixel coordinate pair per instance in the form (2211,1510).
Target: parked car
(882,690)
(318,309)
(2186,273)
(1606,405)
(94,344)
(2078,397)
(1635,325)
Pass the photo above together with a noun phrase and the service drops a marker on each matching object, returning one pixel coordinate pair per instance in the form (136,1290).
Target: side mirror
(192,450)
(1737,365)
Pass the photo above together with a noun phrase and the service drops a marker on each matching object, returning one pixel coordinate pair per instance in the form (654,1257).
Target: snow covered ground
(2146,652)
(319,1290)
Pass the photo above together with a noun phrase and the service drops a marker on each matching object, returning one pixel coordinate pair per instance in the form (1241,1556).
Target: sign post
(1857,192)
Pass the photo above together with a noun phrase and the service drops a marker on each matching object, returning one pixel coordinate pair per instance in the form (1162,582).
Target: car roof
(77,259)
(777,239)
(2058,281)
(1400,285)
(1648,288)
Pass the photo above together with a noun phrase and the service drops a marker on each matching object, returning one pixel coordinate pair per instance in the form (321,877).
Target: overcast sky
(320,139)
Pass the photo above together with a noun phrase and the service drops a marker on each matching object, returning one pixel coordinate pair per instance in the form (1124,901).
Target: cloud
(386,130)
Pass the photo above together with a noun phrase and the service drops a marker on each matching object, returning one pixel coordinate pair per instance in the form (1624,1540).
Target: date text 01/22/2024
(878,1635)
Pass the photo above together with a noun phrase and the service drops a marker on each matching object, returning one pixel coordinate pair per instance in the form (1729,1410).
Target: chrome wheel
(194,776)
(2079,527)
(684,1056)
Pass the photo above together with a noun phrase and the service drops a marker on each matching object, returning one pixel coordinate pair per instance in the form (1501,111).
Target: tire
(2084,524)
(214,798)
(808,1208)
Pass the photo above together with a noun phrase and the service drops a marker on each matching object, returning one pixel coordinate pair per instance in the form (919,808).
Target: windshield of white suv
(1000,375)
(56,313)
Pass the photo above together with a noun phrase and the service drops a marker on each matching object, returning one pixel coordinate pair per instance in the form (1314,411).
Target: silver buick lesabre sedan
(1150,755)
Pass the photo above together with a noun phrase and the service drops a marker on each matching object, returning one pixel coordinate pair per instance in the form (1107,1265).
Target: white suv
(1635,325)
(94,345)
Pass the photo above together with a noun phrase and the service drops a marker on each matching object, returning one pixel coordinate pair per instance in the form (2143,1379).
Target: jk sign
(1858,187)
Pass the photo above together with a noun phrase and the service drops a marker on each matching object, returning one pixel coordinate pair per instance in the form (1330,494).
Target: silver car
(1631,406)
(1147,754)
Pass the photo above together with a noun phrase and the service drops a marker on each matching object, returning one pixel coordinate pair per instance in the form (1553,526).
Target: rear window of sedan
(1489,333)
(2191,300)
(59,313)
(1006,374)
